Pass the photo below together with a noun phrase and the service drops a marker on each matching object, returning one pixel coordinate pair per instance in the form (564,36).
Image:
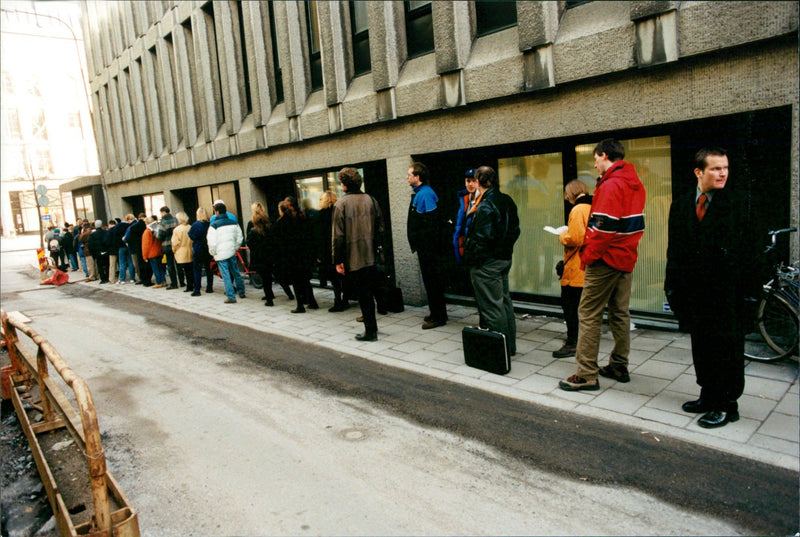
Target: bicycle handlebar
(774,234)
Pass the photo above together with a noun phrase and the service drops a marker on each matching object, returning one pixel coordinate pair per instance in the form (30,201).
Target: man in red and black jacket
(609,254)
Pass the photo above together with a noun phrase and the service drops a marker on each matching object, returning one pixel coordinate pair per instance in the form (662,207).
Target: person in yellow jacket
(577,194)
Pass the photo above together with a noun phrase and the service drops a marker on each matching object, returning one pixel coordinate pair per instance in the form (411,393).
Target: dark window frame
(314,56)
(362,60)
(484,24)
(416,44)
(276,63)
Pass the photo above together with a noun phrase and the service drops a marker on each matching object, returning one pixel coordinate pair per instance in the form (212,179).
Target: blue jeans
(73,261)
(125,263)
(158,270)
(84,266)
(227,268)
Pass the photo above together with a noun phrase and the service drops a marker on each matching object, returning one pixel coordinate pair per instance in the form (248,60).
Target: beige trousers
(603,286)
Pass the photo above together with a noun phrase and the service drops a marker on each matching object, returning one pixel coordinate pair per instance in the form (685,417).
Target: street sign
(41,190)
(44,201)
(46,217)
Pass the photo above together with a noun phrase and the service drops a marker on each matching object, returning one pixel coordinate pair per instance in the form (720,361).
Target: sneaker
(618,373)
(566,351)
(575,383)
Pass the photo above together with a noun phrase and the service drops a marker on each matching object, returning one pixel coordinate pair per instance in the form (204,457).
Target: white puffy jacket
(224,237)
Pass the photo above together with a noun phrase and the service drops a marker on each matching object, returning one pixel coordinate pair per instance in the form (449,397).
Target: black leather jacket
(494,229)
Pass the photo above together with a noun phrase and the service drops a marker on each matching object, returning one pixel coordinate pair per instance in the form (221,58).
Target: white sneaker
(121,283)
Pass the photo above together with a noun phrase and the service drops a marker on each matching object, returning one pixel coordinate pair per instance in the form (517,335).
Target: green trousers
(490,282)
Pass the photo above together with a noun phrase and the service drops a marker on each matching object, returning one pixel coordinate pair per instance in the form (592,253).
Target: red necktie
(701,207)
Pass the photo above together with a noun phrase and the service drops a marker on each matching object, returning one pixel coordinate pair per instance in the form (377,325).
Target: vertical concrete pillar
(167,89)
(290,23)
(150,94)
(337,58)
(139,109)
(231,67)
(90,45)
(188,101)
(140,20)
(537,26)
(99,134)
(406,264)
(104,113)
(207,76)
(116,120)
(453,34)
(125,109)
(259,55)
(388,52)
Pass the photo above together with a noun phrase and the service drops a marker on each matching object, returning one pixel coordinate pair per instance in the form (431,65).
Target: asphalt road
(216,429)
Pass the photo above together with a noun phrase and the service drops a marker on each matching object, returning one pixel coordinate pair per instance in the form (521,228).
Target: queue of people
(344,239)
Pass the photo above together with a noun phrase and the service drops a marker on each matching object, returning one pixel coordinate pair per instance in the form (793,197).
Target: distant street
(217,429)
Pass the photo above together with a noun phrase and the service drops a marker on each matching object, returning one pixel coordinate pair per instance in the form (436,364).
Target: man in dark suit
(708,275)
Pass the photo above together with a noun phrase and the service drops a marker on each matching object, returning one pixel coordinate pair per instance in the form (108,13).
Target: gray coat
(357,226)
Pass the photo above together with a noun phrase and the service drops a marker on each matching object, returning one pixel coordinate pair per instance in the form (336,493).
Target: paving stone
(757,408)
(539,357)
(739,431)
(648,344)
(781,426)
(774,444)
(686,383)
(662,416)
(660,369)
(537,384)
(790,404)
(772,389)
(673,354)
(787,372)
(669,401)
(641,384)
(520,370)
(444,366)
(556,327)
(559,369)
(624,403)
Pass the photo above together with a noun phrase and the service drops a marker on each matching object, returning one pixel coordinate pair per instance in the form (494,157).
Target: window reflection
(535,182)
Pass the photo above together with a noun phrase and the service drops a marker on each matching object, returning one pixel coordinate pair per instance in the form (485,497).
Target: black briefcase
(486,350)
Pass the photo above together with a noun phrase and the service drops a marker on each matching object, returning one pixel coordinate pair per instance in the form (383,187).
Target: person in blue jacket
(466,203)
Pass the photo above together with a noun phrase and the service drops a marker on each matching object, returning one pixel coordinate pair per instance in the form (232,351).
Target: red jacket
(616,223)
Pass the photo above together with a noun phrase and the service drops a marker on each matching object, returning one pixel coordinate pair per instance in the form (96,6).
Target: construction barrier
(25,372)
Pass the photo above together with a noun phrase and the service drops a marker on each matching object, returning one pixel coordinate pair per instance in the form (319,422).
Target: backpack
(54,245)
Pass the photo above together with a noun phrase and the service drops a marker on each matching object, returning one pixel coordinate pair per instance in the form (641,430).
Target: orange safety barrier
(82,424)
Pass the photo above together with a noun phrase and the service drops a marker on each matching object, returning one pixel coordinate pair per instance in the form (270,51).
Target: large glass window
(84,207)
(419,28)
(309,189)
(153,204)
(360,26)
(536,184)
(207,195)
(493,16)
(652,159)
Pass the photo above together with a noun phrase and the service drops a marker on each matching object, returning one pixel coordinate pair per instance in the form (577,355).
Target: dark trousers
(266,279)
(718,358)
(430,266)
(172,269)
(197,274)
(570,299)
(302,290)
(145,271)
(365,282)
(185,269)
(102,267)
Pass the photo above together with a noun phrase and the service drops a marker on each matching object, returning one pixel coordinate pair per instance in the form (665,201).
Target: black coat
(710,263)
(494,229)
(262,249)
(294,251)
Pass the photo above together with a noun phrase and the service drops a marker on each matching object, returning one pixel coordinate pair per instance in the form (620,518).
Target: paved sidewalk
(662,375)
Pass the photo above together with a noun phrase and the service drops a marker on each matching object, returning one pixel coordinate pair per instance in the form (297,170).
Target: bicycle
(244,267)
(775,334)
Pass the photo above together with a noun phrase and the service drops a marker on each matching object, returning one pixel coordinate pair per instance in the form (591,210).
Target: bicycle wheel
(256,281)
(778,325)
(777,333)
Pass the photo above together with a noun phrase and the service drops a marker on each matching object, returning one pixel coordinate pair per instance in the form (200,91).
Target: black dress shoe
(697,407)
(367,336)
(717,418)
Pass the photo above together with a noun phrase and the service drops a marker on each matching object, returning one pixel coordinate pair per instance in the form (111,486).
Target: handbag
(561,264)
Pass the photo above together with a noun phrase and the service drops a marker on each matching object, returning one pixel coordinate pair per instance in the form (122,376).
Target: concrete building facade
(254,101)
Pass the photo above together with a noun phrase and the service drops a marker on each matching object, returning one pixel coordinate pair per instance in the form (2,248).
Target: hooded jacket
(616,223)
